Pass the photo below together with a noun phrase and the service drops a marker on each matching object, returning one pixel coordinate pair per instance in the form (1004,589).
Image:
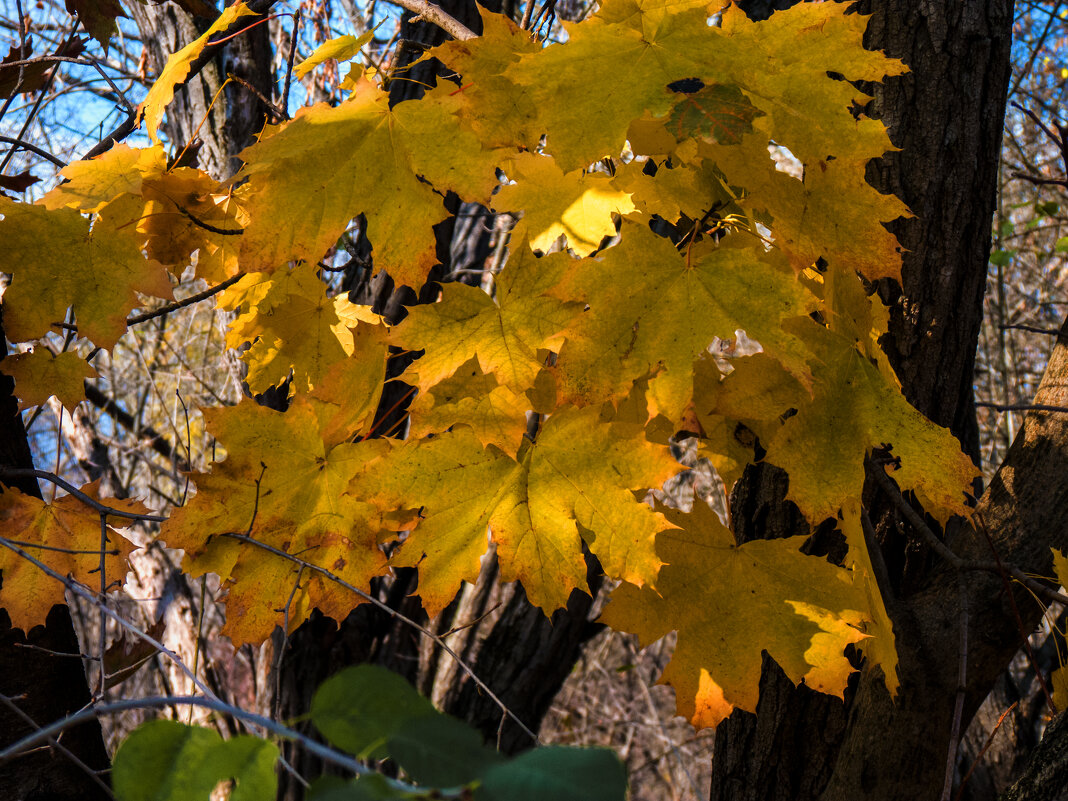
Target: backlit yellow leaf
(40,374)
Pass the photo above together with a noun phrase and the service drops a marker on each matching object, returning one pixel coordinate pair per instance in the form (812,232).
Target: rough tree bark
(34,674)
(946,116)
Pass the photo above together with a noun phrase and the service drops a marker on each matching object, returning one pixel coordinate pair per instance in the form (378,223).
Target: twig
(271,107)
(324,753)
(55,743)
(144,317)
(984,749)
(208,226)
(322,571)
(434,14)
(962,690)
(289,61)
(1020,407)
(103,621)
(1033,329)
(18,472)
(34,149)
(931,539)
(76,588)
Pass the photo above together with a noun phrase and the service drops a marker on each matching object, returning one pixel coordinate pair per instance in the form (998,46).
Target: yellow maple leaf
(172,235)
(503,333)
(98,271)
(653,309)
(729,603)
(643,44)
(833,213)
(120,170)
(853,410)
(340,48)
(40,374)
(578,205)
(291,324)
(287,488)
(490,105)
(65,535)
(472,398)
(176,69)
(315,173)
(574,484)
(879,649)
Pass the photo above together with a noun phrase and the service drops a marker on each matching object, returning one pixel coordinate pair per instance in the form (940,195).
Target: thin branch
(432,13)
(1020,407)
(55,743)
(322,571)
(1033,329)
(34,149)
(324,753)
(207,226)
(93,503)
(77,589)
(155,440)
(289,61)
(932,540)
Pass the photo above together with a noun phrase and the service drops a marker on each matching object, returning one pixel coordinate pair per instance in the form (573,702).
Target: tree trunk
(522,655)
(946,116)
(41,683)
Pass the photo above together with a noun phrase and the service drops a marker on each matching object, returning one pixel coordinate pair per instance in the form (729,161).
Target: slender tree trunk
(510,644)
(946,116)
(41,683)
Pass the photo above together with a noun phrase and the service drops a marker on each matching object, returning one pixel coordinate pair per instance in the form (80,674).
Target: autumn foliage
(544,402)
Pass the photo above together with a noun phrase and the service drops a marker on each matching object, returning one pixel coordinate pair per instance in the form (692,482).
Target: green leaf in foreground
(556,773)
(165,760)
(361,707)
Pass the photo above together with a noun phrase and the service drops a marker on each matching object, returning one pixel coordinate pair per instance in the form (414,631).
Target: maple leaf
(719,112)
(18,183)
(654,309)
(284,486)
(474,399)
(179,203)
(91,184)
(315,173)
(503,333)
(341,48)
(291,325)
(674,190)
(490,105)
(574,484)
(176,69)
(97,17)
(645,45)
(40,374)
(64,535)
(97,271)
(879,649)
(578,205)
(833,213)
(853,410)
(729,603)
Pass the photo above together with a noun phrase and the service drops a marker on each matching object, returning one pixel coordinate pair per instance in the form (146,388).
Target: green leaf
(164,760)
(556,773)
(441,751)
(1001,258)
(362,707)
(364,788)
(1062,245)
(719,112)
(1048,208)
